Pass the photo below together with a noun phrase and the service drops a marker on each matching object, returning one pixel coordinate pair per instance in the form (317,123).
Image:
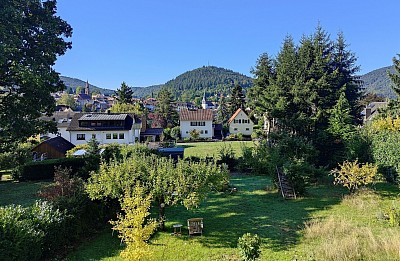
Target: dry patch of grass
(344,237)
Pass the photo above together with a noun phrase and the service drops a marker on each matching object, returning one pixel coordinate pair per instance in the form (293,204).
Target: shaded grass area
(227,216)
(209,149)
(19,193)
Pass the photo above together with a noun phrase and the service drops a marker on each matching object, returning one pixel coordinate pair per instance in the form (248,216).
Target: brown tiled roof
(235,114)
(196,115)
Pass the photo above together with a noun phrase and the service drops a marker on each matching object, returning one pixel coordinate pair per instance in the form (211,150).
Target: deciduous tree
(32,36)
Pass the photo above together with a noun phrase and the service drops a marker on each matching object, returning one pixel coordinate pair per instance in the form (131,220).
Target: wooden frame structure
(195,226)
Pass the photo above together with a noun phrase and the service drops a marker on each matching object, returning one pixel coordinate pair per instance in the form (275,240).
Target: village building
(240,122)
(53,148)
(122,128)
(200,120)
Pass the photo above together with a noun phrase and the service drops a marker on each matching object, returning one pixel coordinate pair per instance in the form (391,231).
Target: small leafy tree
(249,247)
(135,227)
(176,132)
(194,134)
(351,175)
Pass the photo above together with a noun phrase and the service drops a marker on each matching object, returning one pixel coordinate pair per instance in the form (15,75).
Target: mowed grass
(19,193)
(210,149)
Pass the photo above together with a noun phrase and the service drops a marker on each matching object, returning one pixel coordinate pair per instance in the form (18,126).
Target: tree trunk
(161,211)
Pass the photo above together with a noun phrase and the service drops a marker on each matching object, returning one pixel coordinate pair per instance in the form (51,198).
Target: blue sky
(152,41)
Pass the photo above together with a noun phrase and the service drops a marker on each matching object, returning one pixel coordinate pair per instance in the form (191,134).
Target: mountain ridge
(216,80)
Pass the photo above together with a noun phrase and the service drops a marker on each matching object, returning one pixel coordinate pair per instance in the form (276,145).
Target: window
(206,131)
(121,136)
(235,129)
(201,132)
(80,136)
(193,123)
(93,123)
(108,136)
(202,123)
(115,136)
(93,136)
(247,129)
(240,121)
(84,124)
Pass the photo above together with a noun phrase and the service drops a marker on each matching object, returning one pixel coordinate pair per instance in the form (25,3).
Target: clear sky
(152,41)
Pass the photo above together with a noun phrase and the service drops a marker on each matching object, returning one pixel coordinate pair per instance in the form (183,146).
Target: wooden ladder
(285,187)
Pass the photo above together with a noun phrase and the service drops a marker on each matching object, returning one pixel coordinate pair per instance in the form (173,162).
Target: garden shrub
(67,193)
(300,174)
(31,233)
(227,156)
(385,152)
(40,170)
(249,247)
(352,176)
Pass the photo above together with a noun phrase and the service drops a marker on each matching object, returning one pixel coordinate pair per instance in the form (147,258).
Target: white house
(200,120)
(122,128)
(240,123)
(62,119)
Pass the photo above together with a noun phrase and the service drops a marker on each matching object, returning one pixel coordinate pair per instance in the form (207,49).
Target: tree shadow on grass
(387,190)
(253,209)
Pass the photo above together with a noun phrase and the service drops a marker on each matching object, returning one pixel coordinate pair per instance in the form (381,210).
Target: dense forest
(213,80)
(378,82)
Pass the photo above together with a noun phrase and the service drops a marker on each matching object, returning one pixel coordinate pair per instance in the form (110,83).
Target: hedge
(40,170)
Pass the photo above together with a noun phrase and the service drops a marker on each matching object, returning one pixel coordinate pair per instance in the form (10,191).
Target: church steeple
(204,102)
(87,90)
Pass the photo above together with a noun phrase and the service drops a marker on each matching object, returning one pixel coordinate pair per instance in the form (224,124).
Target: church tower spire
(204,102)
(87,90)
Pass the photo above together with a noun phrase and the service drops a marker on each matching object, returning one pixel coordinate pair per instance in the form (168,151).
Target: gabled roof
(58,143)
(196,115)
(236,114)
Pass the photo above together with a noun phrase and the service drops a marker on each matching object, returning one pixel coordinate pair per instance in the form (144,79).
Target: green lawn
(204,149)
(19,193)
(255,208)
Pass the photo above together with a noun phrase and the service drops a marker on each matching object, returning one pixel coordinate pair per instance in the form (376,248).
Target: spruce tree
(165,109)
(237,99)
(395,77)
(222,111)
(124,93)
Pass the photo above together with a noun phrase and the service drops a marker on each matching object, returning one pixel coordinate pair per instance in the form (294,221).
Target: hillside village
(299,162)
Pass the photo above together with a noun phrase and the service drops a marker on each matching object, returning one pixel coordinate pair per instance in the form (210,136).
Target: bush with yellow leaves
(135,228)
(352,175)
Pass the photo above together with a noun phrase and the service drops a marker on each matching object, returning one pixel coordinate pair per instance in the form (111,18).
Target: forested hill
(74,83)
(379,82)
(213,80)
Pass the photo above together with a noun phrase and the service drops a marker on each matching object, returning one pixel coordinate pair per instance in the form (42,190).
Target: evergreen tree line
(307,88)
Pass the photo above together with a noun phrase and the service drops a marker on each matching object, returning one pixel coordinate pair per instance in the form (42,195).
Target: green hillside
(213,80)
(186,86)
(75,83)
(379,82)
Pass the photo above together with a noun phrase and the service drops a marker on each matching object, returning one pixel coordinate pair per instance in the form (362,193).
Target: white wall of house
(62,131)
(241,123)
(206,131)
(105,137)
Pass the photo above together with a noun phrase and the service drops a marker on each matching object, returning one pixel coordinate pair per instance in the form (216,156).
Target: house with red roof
(200,120)
(240,122)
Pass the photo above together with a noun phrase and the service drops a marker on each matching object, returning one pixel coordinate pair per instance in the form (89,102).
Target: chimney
(367,113)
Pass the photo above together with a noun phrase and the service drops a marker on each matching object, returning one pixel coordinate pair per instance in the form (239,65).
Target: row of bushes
(40,170)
